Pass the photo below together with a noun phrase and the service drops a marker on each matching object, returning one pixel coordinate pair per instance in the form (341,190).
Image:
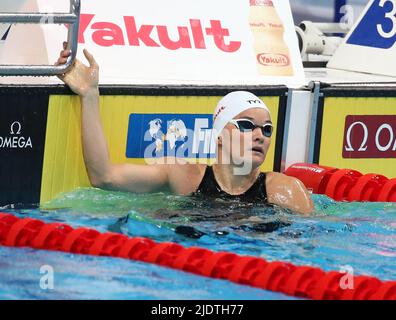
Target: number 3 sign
(370,46)
(378,27)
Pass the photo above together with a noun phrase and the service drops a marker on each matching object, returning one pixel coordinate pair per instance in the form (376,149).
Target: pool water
(339,235)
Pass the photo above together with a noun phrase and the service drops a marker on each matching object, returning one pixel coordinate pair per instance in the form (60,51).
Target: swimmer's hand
(81,79)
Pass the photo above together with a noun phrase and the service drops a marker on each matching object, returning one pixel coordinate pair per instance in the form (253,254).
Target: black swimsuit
(210,188)
(211,212)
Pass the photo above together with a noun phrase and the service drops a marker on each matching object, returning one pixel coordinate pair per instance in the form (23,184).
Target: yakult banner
(202,42)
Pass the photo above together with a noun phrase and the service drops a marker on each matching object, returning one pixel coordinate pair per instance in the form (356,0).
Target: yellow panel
(334,114)
(64,168)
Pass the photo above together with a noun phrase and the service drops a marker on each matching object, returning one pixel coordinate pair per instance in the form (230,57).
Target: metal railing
(72,19)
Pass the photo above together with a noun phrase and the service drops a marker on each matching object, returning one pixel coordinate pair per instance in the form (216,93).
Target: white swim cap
(231,105)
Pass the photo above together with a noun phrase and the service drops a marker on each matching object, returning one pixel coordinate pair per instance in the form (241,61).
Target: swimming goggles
(246,125)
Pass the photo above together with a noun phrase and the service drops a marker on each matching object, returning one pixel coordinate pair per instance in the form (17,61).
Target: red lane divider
(283,277)
(344,184)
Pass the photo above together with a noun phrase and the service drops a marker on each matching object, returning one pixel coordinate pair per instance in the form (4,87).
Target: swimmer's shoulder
(184,178)
(288,191)
(276,181)
(275,177)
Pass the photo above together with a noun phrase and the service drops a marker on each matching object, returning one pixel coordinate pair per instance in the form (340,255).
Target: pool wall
(342,126)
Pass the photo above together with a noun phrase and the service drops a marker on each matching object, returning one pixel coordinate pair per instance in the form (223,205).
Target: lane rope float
(283,277)
(344,184)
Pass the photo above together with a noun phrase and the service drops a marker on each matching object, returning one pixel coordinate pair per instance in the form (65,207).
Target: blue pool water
(359,235)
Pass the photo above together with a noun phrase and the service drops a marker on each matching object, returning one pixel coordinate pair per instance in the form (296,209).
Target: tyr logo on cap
(254,101)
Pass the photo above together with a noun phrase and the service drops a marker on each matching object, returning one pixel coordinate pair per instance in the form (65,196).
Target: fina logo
(176,131)
(169,135)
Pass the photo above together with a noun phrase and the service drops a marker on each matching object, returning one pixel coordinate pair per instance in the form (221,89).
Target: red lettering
(183,42)
(85,20)
(272,59)
(109,34)
(198,36)
(218,34)
(143,34)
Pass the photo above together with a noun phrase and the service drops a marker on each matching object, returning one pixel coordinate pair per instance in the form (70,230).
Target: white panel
(25,43)
(298,136)
(206,57)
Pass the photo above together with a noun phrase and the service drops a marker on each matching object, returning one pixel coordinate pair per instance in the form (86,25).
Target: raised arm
(83,80)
